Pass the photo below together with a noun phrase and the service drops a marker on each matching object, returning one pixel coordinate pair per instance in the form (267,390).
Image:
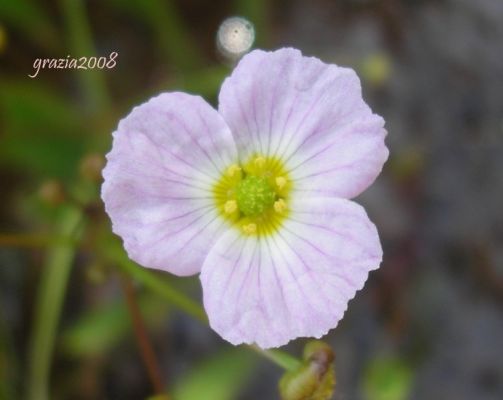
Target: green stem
(156,285)
(48,306)
(281,358)
(174,38)
(9,365)
(80,43)
(177,298)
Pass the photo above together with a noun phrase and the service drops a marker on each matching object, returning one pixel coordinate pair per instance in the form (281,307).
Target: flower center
(253,196)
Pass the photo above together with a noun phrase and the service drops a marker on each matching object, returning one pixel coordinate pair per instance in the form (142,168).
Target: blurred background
(429,322)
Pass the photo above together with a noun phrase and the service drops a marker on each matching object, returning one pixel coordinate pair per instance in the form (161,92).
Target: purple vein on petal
(303,119)
(155,144)
(211,135)
(308,269)
(293,275)
(245,279)
(282,291)
(180,122)
(190,224)
(243,116)
(347,237)
(234,267)
(317,249)
(343,131)
(340,167)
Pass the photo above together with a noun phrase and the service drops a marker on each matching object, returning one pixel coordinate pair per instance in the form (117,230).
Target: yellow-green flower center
(253,196)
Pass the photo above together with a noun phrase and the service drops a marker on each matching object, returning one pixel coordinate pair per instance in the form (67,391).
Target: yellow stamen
(280,182)
(230,206)
(250,228)
(233,170)
(279,206)
(259,162)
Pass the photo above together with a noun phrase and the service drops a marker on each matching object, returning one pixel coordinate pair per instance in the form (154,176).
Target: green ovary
(254,195)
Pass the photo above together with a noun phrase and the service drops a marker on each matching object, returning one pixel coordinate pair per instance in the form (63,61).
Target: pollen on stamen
(233,170)
(280,206)
(280,182)
(230,206)
(250,229)
(259,162)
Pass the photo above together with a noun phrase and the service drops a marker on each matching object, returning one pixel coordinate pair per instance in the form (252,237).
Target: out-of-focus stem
(144,343)
(50,295)
(174,39)
(156,285)
(80,43)
(34,240)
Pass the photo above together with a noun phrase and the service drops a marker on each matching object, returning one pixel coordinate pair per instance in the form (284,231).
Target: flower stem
(280,358)
(48,306)
(158,286)
(144,343)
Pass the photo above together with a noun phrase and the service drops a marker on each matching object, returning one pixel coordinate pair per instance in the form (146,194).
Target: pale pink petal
(309,114)
(294,283)
(166,156)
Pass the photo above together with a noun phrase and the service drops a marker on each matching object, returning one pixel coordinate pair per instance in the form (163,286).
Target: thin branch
(34,240)
(142,339)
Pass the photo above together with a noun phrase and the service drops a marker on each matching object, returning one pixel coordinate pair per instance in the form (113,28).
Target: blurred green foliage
(31,20)
(100,330)
(387,378)
(43,132)
(221,377)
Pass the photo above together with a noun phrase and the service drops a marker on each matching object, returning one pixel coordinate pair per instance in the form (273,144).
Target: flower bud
(314,379)
(52,192)
(96,273)
(3,39)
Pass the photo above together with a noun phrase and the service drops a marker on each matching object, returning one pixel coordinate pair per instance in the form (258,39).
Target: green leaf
(49,302)
(218,378)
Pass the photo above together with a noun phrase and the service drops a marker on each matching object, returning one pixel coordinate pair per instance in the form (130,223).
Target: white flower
(254,196)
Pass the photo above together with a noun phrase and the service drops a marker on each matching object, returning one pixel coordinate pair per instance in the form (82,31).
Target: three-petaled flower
(254,196)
